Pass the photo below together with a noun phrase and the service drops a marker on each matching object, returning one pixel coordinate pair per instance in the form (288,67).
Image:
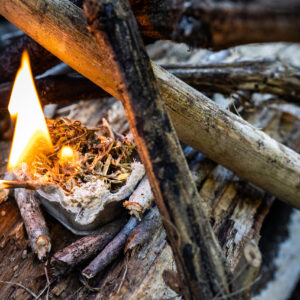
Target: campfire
(116,206)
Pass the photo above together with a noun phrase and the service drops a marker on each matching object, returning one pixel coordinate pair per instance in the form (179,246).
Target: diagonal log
(60,27)
(197,254)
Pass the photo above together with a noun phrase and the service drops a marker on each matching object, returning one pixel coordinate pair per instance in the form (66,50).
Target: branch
(197,254)
(199,122)
(219,24)
(260,76)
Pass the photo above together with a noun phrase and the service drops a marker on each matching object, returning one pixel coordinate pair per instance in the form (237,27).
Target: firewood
(110,252)
(144,231)
(219,24)
(259,76)
(114,28)
(85,248)
(58,89)
(15,184)
(200,123)
(140,200)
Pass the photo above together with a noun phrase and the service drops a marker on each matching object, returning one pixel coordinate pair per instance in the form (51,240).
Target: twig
(21,286)
(110,252)
(66,259)
(199,257)
(25,184)
(144,231)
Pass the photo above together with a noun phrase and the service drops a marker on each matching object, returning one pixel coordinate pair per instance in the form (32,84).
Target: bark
(197,254)
(200,123)
(58,89)
(261,76)
(219,24)
(235,207)
(110,252)
(85,248)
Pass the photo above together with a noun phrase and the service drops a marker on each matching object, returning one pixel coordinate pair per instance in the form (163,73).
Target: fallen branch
(110,252)
(66,259)
(144,231)
(197,254)
(260,76)
(199,122)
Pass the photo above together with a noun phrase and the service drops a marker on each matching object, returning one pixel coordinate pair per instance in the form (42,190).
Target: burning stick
(16,184)
(144,231)
(110,252)
(84,248)
(140,200)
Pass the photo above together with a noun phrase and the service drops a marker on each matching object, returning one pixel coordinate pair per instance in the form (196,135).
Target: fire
(66,155)
(31,136)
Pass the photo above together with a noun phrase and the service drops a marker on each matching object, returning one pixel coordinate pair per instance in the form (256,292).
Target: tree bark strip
(200,123)
(197,254)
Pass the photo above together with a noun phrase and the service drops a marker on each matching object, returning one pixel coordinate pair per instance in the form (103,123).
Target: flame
(31,136)
(66,155)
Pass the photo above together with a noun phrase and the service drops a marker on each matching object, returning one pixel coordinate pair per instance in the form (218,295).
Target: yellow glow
(66,154)
(31,135)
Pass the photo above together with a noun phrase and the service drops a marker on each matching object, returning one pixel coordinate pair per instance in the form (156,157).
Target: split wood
(110,252)
(199,122)
(85,248)
(198,256)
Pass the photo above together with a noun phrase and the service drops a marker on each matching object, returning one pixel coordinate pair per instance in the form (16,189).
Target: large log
(198,121)
(198,256)
(219,24)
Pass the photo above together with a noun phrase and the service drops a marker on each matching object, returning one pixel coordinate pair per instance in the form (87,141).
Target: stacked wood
(198,121)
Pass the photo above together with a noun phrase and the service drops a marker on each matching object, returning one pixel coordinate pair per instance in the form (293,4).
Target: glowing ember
(66,155)
(31,136)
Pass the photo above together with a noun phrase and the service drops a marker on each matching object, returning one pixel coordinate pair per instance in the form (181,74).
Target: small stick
(66,259)
(34,222)
(25,184)
(32,216)
(140,200)
(144,231)
(110,252)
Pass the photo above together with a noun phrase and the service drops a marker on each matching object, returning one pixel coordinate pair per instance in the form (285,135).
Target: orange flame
(66,155)
(31,136)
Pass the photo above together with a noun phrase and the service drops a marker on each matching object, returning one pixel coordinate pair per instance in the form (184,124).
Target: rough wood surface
(259,76)
(197,253)
(198,122)
(219,24)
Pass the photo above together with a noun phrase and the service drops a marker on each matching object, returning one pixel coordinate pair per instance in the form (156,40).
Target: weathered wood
(59,89)
(259,76)
(198,122)
(110,252)
(197,254)
(34,222)
(219,24)
(144,231)
(85,248)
